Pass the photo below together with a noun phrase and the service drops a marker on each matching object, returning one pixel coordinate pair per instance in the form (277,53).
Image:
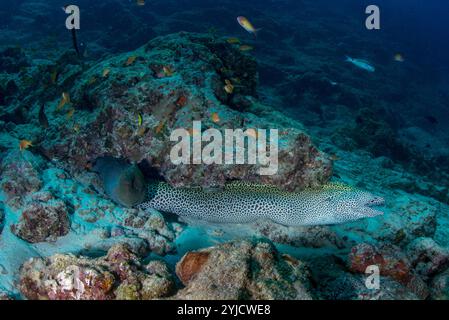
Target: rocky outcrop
(153,228)
(242,270)
(169,83)
(439,286)
(120,275)
(392,263)
(19,177)
(427,257)
(43,221)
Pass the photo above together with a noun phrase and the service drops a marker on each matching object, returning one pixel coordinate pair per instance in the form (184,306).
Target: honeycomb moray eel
(246,203)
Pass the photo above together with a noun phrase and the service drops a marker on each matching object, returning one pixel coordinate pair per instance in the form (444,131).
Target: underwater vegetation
(92,207)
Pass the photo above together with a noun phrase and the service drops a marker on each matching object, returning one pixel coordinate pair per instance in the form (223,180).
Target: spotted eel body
(247,203)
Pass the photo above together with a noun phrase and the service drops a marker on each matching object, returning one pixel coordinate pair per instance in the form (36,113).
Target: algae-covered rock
(43,221)
(20,176)
(428,257)
(128,105)
(120,275)
(439,286)
(242,270)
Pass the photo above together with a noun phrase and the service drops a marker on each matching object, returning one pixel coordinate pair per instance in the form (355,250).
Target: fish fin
(256,32)
(348,59)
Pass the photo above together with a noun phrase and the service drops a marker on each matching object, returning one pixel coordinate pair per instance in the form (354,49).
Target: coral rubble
(119,275)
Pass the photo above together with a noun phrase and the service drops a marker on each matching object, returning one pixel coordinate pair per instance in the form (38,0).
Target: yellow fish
(140,3)
(25,144)
(130,60)
(245,48)
(244,22)
(399,57)
(229,88)
(106,73)
(139,120)
(168,71)
(233,40)
(64,100)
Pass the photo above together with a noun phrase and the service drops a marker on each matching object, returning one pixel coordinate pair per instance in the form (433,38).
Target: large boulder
(242,270)
(43,221)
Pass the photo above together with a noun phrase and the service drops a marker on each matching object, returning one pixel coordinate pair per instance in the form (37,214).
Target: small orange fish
(25,144)
(140,3)
(160,127)
(130,60)
(215,117)
(64,100)
(106,73)
(247,25)
(181,102)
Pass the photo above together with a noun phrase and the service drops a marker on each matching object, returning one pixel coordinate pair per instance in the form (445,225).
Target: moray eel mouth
(369,208)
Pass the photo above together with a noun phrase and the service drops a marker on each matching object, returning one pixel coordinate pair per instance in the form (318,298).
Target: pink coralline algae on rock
(43,221)
(428,257)
(130,113)
(392,263)
(242,270)
(120,275)
(19,177)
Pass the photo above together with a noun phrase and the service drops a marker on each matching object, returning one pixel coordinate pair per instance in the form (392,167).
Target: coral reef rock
(43,221)
(427,257)
(242,270)
(392,263)
(4,295)
(19,177)
(128,105)
(439,287)
(119,275)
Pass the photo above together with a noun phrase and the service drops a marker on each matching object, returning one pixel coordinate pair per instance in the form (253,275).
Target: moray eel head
(124,183)
(354,205)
